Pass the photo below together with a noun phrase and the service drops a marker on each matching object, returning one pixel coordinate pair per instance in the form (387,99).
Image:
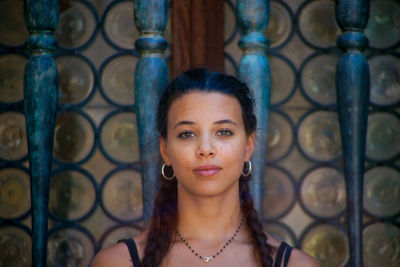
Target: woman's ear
(163,150)
(250,146)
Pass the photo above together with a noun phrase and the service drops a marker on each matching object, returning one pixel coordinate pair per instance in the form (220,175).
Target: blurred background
(96,187)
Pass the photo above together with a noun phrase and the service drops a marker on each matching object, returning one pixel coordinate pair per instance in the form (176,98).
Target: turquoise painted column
(151,78)
(40,100)
(254,70)
(352,83)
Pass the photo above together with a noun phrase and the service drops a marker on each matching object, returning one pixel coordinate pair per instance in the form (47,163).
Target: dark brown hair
(163,222)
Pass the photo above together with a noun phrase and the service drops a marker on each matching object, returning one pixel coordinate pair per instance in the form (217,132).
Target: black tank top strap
(288,251)
(283,250)
(130,243)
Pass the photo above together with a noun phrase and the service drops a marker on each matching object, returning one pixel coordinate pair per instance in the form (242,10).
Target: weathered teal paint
(353,85)
(255,71)
(40,100)
(151,78)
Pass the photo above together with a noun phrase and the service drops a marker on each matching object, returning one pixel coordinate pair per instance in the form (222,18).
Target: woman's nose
(205,147)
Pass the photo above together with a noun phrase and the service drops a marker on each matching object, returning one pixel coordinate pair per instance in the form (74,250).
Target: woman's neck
(208,218)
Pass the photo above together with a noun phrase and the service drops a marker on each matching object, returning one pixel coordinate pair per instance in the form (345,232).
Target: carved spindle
(40,100)
(151,78)
(352,83)
(255,71)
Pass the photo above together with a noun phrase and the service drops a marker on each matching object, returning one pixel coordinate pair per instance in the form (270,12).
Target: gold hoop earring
(163,173)
(248,171)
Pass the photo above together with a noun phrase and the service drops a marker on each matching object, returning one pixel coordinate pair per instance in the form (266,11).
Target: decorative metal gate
(97,193)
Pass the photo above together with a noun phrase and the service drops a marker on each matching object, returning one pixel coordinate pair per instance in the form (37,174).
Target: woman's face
(206,142)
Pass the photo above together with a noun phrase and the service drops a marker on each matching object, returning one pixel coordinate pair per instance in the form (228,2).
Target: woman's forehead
(202,105)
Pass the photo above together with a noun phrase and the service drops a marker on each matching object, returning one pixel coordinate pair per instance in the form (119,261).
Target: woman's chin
(208,189)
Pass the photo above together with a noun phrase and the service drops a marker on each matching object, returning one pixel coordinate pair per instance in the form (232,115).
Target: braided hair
(164,220)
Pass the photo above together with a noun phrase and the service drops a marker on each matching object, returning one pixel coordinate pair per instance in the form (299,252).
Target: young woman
(203,213)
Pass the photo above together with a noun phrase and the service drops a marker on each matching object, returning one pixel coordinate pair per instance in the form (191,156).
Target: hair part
(163,223)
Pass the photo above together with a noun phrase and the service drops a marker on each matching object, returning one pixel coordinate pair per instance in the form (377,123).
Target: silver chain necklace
(210,258)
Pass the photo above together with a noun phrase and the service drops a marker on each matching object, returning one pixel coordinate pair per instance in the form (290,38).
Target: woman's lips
(207,170)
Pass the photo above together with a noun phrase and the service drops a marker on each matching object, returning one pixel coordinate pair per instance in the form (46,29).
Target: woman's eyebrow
(184,123)
(226,121)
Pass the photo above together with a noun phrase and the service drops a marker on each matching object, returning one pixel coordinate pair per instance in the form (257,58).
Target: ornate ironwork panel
(96,190)
(305,189)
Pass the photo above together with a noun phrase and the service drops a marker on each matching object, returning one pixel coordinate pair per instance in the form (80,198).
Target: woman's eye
(224,132)
(185,134)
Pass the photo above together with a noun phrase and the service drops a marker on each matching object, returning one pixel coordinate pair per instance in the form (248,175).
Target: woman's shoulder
(115,255)
(297,257)
(118,254)
(300,259)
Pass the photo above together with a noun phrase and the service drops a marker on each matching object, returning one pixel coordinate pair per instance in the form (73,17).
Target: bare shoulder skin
(115,255)
(118,254)
(300,259)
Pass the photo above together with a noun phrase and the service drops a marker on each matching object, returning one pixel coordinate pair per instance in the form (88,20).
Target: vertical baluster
(254,70)
(40,99)
(352,82)
(151,78)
